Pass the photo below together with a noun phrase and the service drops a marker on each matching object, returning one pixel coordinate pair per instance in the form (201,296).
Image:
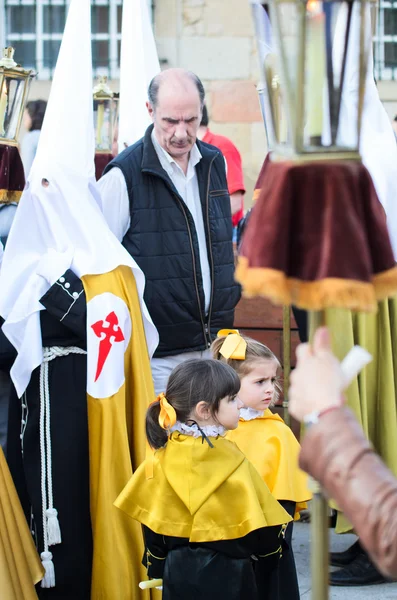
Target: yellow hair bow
(234,346)
(167,416)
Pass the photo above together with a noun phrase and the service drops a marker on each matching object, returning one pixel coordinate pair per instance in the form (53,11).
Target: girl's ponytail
(156,435)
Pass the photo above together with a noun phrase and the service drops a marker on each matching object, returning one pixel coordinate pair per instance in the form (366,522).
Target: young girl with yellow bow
(263,436)
(208,518)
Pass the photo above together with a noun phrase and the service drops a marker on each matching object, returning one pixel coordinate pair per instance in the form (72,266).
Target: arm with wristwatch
(336,453)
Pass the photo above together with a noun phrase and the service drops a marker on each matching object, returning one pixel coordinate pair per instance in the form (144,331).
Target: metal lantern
(14,88)
(304,74)
(105,116)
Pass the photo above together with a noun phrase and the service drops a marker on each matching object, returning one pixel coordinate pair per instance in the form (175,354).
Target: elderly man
(168,200)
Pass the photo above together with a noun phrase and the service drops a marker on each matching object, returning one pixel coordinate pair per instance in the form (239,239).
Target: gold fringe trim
(316,295)
(8,196)
(256,194)
(385,284)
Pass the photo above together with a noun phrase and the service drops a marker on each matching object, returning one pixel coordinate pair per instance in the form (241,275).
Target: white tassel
(54,531)
(48,580)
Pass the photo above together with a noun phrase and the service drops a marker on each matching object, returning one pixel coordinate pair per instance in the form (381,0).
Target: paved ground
(337,544)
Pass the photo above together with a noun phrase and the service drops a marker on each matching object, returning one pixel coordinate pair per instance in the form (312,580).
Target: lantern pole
(273,132)
(286,359)
(319,537)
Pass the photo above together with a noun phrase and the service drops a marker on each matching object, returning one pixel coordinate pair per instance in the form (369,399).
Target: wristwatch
(314,417)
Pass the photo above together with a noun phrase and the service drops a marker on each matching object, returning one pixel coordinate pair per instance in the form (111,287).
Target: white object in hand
(150,583)
(355,360)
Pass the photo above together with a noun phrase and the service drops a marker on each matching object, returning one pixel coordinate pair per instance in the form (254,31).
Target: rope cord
(51,529)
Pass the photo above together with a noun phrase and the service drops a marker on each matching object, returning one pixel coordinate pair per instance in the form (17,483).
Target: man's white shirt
(116,206)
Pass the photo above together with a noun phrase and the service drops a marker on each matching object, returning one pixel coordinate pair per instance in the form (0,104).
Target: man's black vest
(162,238)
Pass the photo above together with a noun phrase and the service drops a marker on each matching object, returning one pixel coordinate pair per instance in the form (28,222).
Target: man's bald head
(175,81)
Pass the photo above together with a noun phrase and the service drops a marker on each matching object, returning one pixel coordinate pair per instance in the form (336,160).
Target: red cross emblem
(109,332)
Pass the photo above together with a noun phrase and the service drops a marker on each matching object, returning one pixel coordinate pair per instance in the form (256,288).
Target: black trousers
(70,472)
(301,321)
(5,387)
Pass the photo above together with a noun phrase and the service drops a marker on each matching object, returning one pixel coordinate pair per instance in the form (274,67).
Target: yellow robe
(20,565)
(272,448)
(117,445)
(201,493)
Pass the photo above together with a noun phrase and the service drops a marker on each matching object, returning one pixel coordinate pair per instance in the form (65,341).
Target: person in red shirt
(234,170)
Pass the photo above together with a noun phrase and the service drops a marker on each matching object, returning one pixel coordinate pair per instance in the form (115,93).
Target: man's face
(176,119)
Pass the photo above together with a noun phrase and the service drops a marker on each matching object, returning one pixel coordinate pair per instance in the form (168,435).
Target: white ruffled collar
(194,431)
(248,414)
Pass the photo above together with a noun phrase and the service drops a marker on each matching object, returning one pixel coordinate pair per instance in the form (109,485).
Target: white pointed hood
(139,63)
(60,226)
(378,146)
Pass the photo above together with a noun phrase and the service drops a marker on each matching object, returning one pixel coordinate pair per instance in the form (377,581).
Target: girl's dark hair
(36,110)
(191,382)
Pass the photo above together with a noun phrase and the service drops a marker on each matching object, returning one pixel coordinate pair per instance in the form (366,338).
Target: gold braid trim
(8,196)
(278,551)
(154,556)
(316,295)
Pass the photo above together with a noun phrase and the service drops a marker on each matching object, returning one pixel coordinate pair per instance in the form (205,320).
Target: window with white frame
(35,28)
(385,41)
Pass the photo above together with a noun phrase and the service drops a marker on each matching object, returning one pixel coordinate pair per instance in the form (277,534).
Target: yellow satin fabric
(167,416)
(272,448)
(20,565)
(234,346)
(373,394)
(117,445)
(201,493)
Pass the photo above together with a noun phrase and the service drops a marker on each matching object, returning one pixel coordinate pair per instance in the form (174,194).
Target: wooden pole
(286,360)
(319,512)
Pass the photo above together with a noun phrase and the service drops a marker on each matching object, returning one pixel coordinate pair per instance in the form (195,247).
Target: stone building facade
(215,39)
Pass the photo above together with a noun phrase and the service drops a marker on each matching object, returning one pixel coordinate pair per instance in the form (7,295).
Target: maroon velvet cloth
(261,176)
(101,160)
(318,220)
(12,175)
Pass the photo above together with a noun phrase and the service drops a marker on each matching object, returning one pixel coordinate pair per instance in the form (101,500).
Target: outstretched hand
(317,380)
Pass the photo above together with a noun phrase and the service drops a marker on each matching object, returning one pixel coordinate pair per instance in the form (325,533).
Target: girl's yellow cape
(274,451)
(201,493)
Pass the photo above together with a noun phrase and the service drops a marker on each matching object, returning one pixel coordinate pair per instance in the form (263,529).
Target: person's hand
(53,264)
(317,380)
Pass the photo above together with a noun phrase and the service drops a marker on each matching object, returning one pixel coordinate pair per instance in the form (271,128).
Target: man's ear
(150,110)
(203,411)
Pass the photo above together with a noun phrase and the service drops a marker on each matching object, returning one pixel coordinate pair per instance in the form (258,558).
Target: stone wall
(215,39)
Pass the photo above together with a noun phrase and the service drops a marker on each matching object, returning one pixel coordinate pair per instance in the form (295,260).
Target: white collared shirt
(116,206)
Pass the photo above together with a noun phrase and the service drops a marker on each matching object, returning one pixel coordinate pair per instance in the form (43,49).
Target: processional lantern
(14,89)
(305,73)
(105,116)
(317,236)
